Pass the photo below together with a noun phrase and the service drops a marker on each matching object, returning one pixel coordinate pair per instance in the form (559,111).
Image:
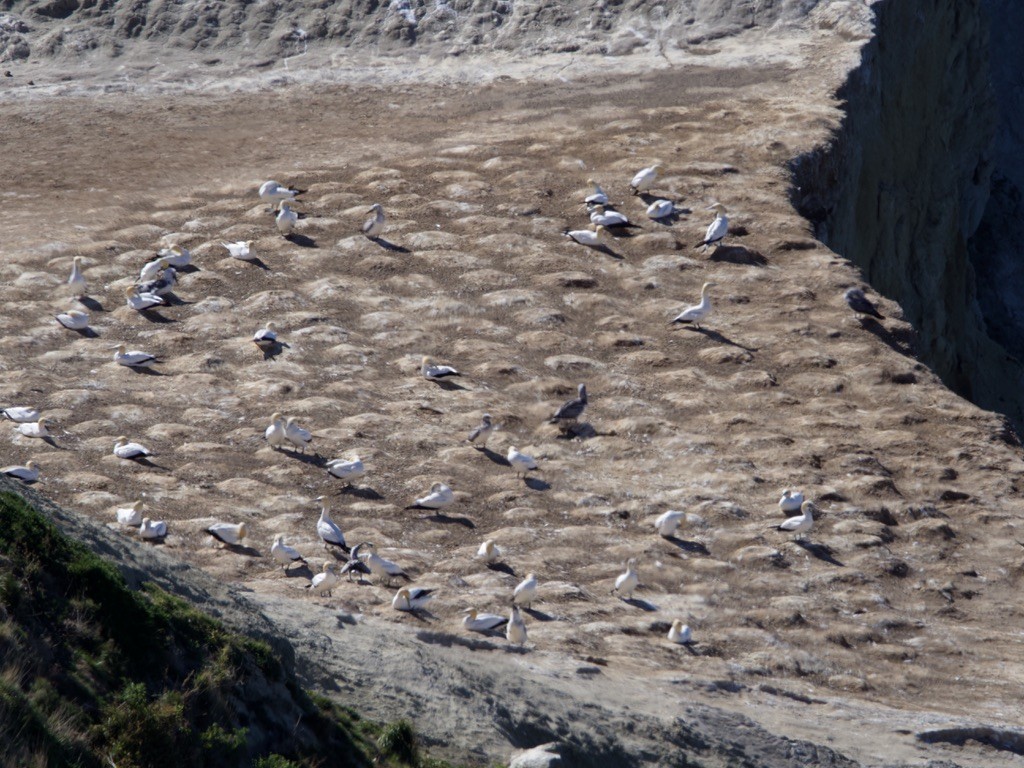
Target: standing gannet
(609,218)
(296,435)
(284,554)
(659,209)
(526,592)
(598,198)
(433,372)
(273,192)
(679,632)
(801,523)
(152,529)
(717,229)
(286,219)
(411,598)
(140,302)
(627,582)
(325,581)
(77,280)
(587,237)
(440,496)
(266,337)
(475,621)
(790,502)
(572,409)
(21,414)
(348,469)
(328,531)
(379,566)
(73,319)
(697,312)
(275,434)
(668,523)
(489,552)
(27,472)
(355,564)
(35,428)
(374,226)
(859,303)
(133,359)
(161,286)
(176,256)
(126,450)
(130,515)
(151,269)
(482,432)
(644,179)
(515,632)
(520,462)
(228,533)
(241,250)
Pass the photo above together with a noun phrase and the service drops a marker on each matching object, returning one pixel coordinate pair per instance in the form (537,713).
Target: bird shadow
(647,197)
(258,263)
(536,484)
(144,462)
(497,458)
(421,614)
(891,340)
(242,549)
(501,568)
(738,254)
(299,573)
(442,518)
(643,605)
(533,613)
(154,540)
(362,493)
(312,459)
(721,338)
(272,350)
(142,371)
(87,333)
(300,240)
(577,431)
(608,251)
(188,269)
(448,640)
(449,385)
(90,303)
(52,443)
(693,547)
(389,246)
(820,551)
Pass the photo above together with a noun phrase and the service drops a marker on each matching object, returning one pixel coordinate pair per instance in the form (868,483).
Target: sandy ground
(903,599)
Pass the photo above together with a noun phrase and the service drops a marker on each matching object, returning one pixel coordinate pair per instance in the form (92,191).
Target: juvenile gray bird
(571,410)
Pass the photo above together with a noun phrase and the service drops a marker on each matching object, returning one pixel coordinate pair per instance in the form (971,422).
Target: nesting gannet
(325,581)
(860,304)
(130,515)
(328,531)
(296,435)
(515,632)
(526,592)
(598,198)
(21,414)
(152,529)
(800,523)
(176,256)
(411,598)
(286,219)
(667,523)
(126,450)
(35,428)
(489,552)
(475,621)
(609,218)
(355,564)
(266,337)
(433,372)
(77,280)
(572,409)
(627,582)
(659,209)
(275,432)
(379,566)
(374,226)
(284,554)
(482,432)
(644,179)
(161,286)
(141,301)
(228,533)
(151,269)
(679,632)
(697,312)
(520,462)
(586,236)
(27,473)
(717,229)
(241,250)
(346,469)
(133,359)
(440,496)
(790,502)
(73,319)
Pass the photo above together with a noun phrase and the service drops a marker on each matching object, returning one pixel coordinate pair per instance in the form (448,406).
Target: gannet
(790,502)
(586,236)
(433,372)
(379,566)
(176,256)
(133,359)
(520,462)
(284,554)
(286,219)
(296,435)
(241,250)
(667,523)
(130,515)
(151,269)
(161,286)
(482,432)
(572,409)
(73,319)
(800,523)
(266,337)
(697,312)
(526,592)
(411,599)
(859,303)
(679,633)
(274,192)
(275,432)
(598,198)
(346,469)
(515,632)
(475,621)
(228,533)
(628,581)
(374,226)
(644,179)
(328,531)
(28,472)
(659,209)
(355,564)
(325,581)
(440,496)
(717,229)
(141,301)
(77,280)
(609,218)
(35,428)
(152,529)
(126,450)
(21,414)
(488,552)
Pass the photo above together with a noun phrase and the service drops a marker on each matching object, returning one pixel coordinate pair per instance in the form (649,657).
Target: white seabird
(346,469)
(379,566)
(273,192)
(411,598)
(73,319)
(609,218)
(717,229)
(325,581)
(668,522)
(328,531)
(152,529)
(27,472)
(860,304)
(800,523)
(627,582)
(475,621)
(266,337)
(679,632)
(126,450)
(515,632)
(659,209)
(482,432)
(697,312)
(355,564)
(520,462)
(141,301)
(526,592)
(284,554)
(176,256)
(228,533)
(161,286)
(598,197)
(433,372)
(21,414)
(791,502)
(572,409)
(151,269)
(440,496)
(296,435)
(374,226)
(286,219)
(130,515)
(35,428)
(644,179)
(489,552)
(241,250)
(587,237)
(77,280)
(133,359)
(275,433)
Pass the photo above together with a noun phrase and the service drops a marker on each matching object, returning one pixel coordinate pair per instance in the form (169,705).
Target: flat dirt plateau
(891,634)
